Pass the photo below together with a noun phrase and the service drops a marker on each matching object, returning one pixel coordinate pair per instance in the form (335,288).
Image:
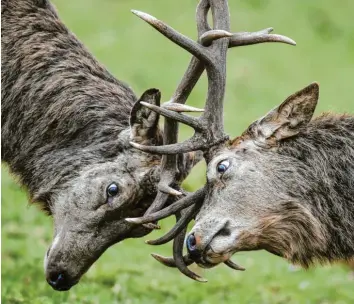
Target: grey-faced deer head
(210,54)
(66,127)
(89,208)
(285,185)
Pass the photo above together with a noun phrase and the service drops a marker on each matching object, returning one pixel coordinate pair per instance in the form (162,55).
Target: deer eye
(112,190)
(223,166)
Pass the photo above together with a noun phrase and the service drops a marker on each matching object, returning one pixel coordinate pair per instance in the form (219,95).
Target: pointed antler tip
(208,37)
(135,145)
(155,255)
(173,192)
(133,220)
(169,190)
(288,40)
(150,242)
(178,107)
(158,258)
(234,266)
(201,280)
(144,16)
(136,12)
(147,105)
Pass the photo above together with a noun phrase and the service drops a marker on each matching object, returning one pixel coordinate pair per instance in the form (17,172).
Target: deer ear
(287,119)
(144,122)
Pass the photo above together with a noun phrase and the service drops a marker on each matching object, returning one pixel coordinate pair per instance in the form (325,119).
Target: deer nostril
(60,281)
(56,278)
(224,232)
(191,243)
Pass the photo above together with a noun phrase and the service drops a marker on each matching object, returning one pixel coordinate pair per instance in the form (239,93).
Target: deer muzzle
(69,257)
(209,244)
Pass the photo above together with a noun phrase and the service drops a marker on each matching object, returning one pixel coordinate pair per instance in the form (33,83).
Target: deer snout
(199,242)
(56,274)
(69,257)
(60,280)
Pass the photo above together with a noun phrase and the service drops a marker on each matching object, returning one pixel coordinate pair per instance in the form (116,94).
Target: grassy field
(259,77)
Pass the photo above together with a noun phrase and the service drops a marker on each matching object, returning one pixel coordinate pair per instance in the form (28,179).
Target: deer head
(209,137)
(66,127)
(254,199)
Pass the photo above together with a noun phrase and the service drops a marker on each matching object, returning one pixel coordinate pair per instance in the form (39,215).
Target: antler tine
(178,244)
(178,107)
(201,17)
(194,198)
(188,215)
(183,41)
(249,38)
(188,120)
(234,266)
(170,262)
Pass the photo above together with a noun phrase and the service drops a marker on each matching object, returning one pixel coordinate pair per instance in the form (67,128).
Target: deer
(66,127)
(285,185)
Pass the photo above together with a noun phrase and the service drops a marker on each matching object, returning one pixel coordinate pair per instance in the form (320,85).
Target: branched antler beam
(209,127)
(188,215)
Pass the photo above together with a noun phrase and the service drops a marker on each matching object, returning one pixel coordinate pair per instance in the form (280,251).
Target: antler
(212,56)
(209,53)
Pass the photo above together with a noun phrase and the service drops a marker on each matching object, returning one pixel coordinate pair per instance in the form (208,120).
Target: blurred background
(259,78)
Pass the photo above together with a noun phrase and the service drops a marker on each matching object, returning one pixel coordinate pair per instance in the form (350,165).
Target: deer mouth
(209,258)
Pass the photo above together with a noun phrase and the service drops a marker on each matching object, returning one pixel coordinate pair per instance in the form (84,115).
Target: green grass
(259,77)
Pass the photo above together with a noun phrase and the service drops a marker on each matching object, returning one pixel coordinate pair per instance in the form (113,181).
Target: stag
(66,127)
(286,185)
(209,53)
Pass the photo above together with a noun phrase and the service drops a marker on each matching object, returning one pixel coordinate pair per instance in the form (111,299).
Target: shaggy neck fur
(319,226)
(61,110)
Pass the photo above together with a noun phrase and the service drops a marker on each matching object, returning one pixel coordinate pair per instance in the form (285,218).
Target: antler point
(135,145)
(133,220)
(201,280)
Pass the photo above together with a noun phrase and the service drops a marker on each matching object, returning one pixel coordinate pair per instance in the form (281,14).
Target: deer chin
(211,259)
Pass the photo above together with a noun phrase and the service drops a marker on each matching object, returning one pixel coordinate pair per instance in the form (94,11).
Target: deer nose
(60,281)
(192,246)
